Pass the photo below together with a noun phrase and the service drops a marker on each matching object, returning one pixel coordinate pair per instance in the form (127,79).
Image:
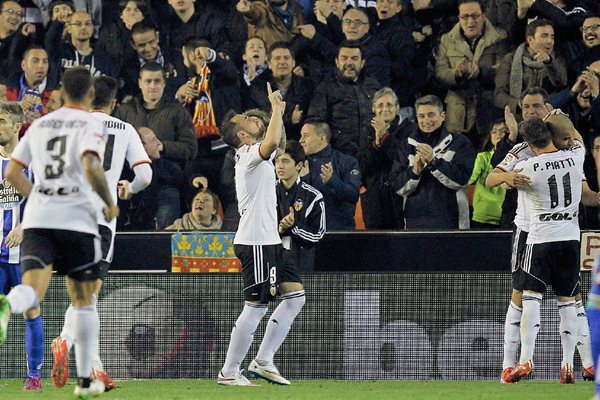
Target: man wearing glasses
(13,41)
(78,50)
(590,34)
(465,65)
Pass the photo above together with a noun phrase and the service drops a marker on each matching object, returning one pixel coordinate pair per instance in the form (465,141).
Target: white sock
(242,335)
(512,335)
(279,325)
(530,324)
(85,327)
(568,329)
(67,330)
(22,298)
(584,346)
(96,362)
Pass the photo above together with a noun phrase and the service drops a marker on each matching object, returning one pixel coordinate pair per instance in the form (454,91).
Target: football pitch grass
(184,389)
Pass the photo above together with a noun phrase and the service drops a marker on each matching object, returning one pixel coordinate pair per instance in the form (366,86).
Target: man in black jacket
(146,43)
(173,127)
(344,100)
(300,209)
(297,91)
(431,171)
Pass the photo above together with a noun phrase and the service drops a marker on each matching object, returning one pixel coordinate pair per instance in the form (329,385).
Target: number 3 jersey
(553,198)
(61,197)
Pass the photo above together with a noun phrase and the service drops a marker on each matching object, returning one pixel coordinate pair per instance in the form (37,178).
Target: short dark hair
(534,25)
(321,126)
(77,81)
(295,151)
(535,132)
(105,91)
(351,44)
(193,43)
(229,130)
(429,100)
(153,67)
(280,45)
(141,4)
(142,27)
(472,1)
(534,90)
(33,47)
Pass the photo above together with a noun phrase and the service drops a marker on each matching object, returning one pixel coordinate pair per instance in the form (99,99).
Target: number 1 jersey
(553,199)
(61,197)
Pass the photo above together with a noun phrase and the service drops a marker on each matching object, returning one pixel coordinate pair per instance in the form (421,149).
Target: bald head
(562,129)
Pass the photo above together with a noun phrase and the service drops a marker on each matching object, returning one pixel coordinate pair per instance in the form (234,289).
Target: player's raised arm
(16,177)
(275,128)
(94,172)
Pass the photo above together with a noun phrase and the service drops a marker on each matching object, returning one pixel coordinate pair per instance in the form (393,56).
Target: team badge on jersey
(9,197)
(509,159)
(298,205)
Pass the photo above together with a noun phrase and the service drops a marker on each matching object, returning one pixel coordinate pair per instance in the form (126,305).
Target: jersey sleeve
(136,154)
(22,152)
(250,155)
(513,157)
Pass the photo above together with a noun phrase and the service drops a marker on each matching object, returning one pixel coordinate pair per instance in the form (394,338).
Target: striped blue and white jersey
(11,205)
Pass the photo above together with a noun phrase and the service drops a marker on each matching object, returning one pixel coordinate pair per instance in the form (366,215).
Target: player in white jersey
(63,149)
(122,143)
(563,137)
(552,250)
(12,205)
(258,246)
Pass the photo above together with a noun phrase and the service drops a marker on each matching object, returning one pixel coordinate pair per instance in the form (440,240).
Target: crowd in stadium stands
(351,73)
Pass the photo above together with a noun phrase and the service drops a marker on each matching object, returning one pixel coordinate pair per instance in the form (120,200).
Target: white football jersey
(553,198)
(122,143)
(257,200)
(520,152)
(61,197)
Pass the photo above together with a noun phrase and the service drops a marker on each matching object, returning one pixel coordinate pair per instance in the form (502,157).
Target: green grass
(316,390)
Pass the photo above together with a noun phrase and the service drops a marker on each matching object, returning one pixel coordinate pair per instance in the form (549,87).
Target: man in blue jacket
(335,174)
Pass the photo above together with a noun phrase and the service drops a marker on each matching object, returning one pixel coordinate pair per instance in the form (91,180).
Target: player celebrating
(60,230)
(258,246)
(552,251)
(122,143)
(563,136)
(11,120)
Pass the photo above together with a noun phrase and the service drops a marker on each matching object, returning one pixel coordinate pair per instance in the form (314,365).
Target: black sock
(83,382)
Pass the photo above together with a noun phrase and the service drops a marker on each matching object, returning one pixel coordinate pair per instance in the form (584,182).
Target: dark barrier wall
(356,251)
(354,326)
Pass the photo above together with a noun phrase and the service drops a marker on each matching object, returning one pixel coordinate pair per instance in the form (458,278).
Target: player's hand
(326,172)
(276,99)
(124,190)
(110,212)
(14,237)
(426,152)
(287,222)
(517,180)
